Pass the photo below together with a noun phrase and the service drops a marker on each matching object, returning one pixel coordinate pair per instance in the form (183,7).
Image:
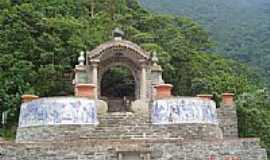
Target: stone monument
(156,125)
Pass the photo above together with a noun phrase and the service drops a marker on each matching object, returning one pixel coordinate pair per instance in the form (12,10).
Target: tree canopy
(239,28)
(41,40)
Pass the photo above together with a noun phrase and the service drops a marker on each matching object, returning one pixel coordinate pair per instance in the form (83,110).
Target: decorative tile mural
(183,110)
(55,111)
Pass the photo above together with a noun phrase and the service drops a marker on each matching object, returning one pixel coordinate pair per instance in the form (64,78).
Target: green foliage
(240,29)
(8,134)
(253,112)
(214,74)
(117,83)
(40,41)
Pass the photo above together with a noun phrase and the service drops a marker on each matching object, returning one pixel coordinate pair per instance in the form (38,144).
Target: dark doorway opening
(118,88)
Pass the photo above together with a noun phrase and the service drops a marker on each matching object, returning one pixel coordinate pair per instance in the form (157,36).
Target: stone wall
(244,149)
(120,126)
(230,149)
(228,122)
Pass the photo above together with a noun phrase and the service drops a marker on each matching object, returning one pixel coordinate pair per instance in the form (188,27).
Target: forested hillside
(241,29)
(41,40)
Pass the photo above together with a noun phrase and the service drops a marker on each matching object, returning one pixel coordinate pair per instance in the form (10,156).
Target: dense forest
(41,40)
(240,29)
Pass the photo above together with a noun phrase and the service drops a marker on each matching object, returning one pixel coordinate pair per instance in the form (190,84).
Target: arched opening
(118,88)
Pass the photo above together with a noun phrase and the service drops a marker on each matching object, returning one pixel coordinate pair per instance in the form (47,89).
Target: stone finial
(118,34)
(228,99)
(81,59)
(154,58)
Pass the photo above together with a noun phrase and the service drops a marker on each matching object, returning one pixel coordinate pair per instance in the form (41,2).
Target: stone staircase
(126,125)
(116,105)
(120,125)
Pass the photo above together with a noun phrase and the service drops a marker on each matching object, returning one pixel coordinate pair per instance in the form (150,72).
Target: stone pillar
(156,78)
(80,76)
(94,64)
(143,80)
(156,75)
(80,73)
(227,116)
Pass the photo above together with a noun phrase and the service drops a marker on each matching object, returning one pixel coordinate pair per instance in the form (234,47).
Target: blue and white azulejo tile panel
(183,110)
(58,110)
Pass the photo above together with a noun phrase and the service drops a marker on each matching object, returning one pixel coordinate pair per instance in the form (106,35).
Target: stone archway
(121,53)
(117,86)
(118,52)
(134,70)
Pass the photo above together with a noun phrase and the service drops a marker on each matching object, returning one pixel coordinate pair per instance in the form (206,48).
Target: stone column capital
(94,62)
(142,63)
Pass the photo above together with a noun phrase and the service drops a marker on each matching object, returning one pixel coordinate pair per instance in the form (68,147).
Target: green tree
(254,120)
(40,41)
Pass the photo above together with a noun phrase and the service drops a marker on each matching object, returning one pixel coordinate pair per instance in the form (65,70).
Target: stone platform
(73,118)
(178,128)
(119,126)
(145,149)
